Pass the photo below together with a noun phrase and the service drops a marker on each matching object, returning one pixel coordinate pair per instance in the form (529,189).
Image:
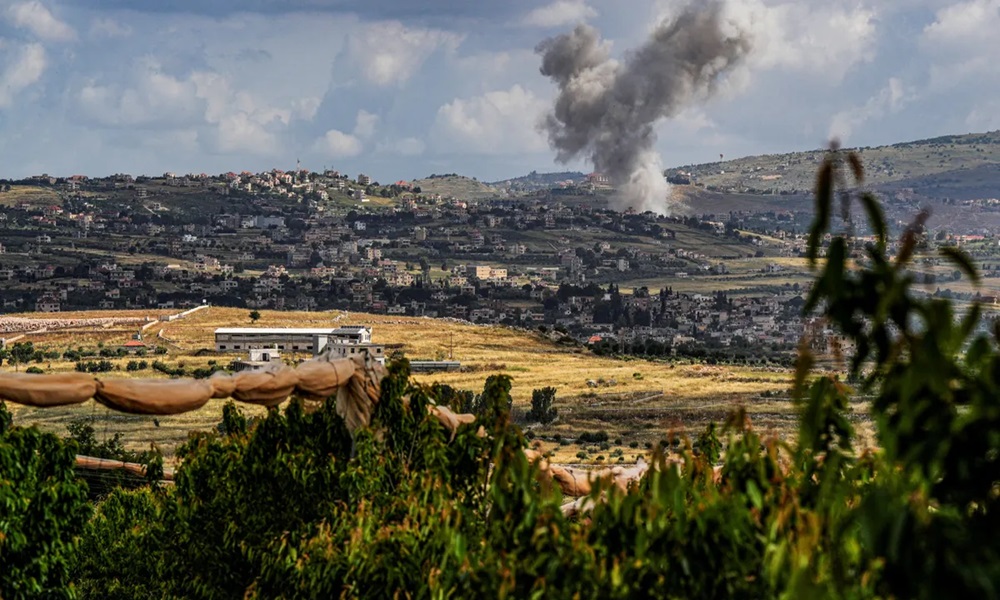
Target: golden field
(637,401)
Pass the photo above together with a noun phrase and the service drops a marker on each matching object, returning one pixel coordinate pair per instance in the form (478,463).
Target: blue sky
(402,89)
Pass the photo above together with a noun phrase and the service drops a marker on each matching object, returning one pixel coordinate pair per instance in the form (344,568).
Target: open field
(33,195)
(639,401)
(455,186)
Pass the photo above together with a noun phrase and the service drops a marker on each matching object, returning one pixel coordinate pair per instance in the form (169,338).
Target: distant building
(341,350)
(240,339)
(134,346)
(259,358)
(47,303)
(487,273)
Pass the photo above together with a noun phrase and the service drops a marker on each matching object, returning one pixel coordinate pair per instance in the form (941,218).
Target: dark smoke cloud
(607,110)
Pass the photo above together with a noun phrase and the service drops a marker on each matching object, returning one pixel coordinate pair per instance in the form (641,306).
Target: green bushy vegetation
(542,410)
(293,505)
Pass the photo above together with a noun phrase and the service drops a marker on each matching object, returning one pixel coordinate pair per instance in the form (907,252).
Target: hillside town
(319,241)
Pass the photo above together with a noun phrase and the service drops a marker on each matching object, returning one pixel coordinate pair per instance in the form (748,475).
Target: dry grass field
(30,194)
(637,402)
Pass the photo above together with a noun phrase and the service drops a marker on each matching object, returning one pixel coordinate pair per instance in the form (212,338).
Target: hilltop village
(554,260)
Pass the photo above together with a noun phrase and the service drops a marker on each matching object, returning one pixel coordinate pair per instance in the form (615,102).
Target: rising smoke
(607,110)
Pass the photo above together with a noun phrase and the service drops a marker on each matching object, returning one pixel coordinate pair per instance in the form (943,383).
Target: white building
(239,339)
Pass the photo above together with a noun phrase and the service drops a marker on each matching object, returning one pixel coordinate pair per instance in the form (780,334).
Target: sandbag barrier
(90,463)
(355,382)
(579,483)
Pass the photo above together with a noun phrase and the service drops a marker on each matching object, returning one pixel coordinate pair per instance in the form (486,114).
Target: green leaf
(756,498)
(876,218)
(857,168)
(962,261)
(824,202)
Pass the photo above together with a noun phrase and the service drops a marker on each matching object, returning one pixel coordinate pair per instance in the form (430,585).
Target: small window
(281,347)
(295,347)
(236,347)
(222,347)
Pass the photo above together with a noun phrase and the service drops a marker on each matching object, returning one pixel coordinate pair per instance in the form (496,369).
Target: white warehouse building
(241,339)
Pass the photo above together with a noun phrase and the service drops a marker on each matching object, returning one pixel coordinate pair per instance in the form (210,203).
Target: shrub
(93,366)
(592,437)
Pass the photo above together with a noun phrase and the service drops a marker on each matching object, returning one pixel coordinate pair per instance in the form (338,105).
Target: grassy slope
(640,407)
(33,195)
(462,188)
(884,165)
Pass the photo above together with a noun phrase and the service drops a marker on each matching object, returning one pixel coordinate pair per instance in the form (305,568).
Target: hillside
(955,166)
(539,181)
(455,186)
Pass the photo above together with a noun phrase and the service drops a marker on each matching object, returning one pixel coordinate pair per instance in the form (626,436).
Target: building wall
(340,350)
(289,341)
(238,342)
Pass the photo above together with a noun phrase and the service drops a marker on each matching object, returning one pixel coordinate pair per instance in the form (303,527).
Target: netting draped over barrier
(354,382)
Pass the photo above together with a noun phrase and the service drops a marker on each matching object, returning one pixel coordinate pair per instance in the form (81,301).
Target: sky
(401,89)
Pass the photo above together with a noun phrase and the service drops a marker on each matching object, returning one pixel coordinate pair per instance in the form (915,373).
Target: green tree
(21,353)
(43,510)
(542,410)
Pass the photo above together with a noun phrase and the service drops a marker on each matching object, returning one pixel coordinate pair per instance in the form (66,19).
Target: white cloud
(24,68)
(337,144)
(963,43)
(229,120)
(154,98)
(243,133)
(966,24)
(824,39)
(891,99)
(557,14)
(497,122)
(365,124)
(389,53)
(109,28)
(36,18)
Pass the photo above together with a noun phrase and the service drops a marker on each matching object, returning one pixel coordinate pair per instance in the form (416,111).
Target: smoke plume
(607,110)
